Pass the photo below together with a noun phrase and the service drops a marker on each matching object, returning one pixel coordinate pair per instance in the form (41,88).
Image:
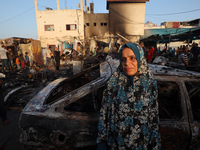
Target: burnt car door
(174,126)
(192,86)
(64,115)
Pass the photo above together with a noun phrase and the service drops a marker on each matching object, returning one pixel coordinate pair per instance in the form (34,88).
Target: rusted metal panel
(174,136)
(37,51)
(22,45)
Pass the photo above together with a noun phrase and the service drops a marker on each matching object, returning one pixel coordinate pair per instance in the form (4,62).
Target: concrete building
(125,18)
(96,25)
(59,25)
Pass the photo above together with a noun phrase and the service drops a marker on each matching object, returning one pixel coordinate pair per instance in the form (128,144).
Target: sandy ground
(9,134)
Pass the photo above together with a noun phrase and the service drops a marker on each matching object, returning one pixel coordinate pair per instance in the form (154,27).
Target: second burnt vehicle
(64,115)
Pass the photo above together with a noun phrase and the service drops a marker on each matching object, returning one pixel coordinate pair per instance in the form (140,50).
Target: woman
(129,113)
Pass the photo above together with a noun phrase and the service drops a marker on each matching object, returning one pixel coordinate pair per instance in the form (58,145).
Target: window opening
(71,27)
(169,100)
(49,27)
(193,89)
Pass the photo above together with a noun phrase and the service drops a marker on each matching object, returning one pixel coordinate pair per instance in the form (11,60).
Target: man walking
(10,59)
(57,58)
(3,57)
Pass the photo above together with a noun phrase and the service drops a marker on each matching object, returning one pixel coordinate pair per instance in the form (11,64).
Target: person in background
(149,54)
(10,59)
(181,48)
(183,60)
(195,51)
(27,62)
(141,43)
(95,52)
(57,58)
(129,112)
(106,51)
(22,61)
(87,52)
(153,49)
(158,50)
(174,53)
(48,58)
(164,51)
(18,63)
(189,54)
(3,57)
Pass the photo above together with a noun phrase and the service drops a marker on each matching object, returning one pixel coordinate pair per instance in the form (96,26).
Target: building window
(49,27)
(95,24)
(71,27)
(87,24)
(104,24)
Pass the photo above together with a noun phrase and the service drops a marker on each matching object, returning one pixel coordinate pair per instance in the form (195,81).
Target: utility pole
(58,4)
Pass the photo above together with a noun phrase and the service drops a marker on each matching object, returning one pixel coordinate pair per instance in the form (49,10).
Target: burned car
(64,115)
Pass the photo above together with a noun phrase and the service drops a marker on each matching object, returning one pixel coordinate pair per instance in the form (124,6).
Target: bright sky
(17,17)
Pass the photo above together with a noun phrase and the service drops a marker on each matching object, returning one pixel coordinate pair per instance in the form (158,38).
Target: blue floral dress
(129,113)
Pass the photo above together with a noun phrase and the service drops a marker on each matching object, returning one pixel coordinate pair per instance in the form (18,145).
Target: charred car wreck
(64,115)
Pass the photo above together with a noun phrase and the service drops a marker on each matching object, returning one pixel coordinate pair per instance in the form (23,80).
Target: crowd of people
(11,62)
(55,54)
(183,55)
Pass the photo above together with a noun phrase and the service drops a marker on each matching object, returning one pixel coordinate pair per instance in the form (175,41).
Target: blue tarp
(66,45)
(167,31)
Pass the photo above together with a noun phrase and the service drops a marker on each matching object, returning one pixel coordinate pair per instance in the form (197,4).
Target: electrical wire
(17,15)
(174,13)
(125,17)
(45,6)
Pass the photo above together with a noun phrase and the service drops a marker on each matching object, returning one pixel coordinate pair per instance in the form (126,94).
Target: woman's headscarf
(129,113)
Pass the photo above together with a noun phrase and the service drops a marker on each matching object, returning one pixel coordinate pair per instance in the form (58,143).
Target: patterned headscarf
(129,113)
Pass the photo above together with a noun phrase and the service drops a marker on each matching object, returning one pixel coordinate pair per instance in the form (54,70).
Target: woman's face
(129,61)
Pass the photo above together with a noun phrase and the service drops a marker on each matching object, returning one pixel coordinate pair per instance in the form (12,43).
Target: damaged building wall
(96,24)
(127,19)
